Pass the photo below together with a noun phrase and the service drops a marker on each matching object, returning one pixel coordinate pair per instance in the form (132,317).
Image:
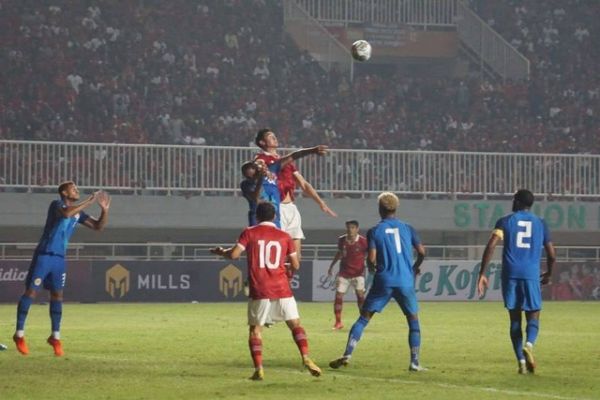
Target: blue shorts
(378,298)
(48,270)
(522,294)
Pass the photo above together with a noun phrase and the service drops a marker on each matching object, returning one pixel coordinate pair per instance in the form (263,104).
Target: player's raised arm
(482,282)
(253,171)
(99,223)
(320,150)
(310,191)
(71,210)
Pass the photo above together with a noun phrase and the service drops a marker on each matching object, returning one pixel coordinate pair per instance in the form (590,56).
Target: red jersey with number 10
(285,177)
(267,248)
(352,263)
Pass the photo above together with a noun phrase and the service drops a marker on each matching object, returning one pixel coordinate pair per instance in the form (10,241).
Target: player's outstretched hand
(218,250)
(482,285)
(321,149)
(103,199)
(328,210)
(93,197)
(545,278)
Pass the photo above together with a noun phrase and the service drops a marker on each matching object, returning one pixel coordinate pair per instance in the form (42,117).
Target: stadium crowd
(213,71)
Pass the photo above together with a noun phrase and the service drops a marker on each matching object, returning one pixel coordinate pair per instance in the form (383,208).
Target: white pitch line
(451,386)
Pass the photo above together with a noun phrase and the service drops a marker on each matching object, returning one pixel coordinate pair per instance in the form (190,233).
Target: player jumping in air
(390,250)
(291,221)
(352,249)
(270,295)
(260,180)
(524,235)
(48,265)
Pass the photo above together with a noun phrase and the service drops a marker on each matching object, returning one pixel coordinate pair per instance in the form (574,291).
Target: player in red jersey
(288,177)
(270,295)
(352,251)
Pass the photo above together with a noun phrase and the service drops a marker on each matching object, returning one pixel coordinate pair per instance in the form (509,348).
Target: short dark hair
(352,222)
(260,136)
(64,186)
(265,211)
(524,198)
(247,165)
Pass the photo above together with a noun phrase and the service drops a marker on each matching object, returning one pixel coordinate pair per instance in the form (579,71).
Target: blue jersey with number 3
(394,241)
(524,236)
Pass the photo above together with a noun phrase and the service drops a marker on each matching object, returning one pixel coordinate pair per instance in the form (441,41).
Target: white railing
(386,12)
(491,49)
(310,35)
(158,169)
(200,251)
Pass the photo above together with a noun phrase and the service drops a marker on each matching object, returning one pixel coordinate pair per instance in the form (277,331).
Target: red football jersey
(352,263)
(285,178)
(267,249)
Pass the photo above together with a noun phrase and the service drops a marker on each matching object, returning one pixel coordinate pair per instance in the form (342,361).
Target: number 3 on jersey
(526,234)
(396,234)
(265,254)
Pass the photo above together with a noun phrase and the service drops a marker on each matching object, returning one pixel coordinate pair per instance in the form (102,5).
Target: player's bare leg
(360,299)
(301,340)
(255,345)
(298,245)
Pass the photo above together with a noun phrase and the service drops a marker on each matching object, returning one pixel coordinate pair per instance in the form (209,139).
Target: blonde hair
(388,201)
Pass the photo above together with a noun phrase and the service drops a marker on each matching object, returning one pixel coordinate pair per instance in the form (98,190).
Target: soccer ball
(361,50)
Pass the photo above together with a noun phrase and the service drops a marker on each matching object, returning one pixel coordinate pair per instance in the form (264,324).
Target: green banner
(564,216)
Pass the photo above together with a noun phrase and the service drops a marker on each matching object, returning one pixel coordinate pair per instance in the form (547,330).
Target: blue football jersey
(394,241)
(58,230)
(268,192)
(248,186)
(524,236)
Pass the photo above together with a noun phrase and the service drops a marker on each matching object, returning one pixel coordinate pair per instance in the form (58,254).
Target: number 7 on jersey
(396,234)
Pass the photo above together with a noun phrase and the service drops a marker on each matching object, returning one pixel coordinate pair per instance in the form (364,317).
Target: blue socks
(516,336)
(355,335)
(414,340)
(22,311)
(533,326)
(55,314)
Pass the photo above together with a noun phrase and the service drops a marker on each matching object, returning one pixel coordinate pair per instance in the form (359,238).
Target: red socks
(337,309)
(301,341)
(256,351)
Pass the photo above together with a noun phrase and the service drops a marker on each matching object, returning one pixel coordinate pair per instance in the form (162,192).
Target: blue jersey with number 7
(524,236)
(394,241)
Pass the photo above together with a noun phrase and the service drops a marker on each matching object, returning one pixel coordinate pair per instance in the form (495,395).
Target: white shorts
(263,310)
(291,221)
(342,284)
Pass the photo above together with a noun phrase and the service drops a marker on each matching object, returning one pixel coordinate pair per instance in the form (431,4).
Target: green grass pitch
(200,351)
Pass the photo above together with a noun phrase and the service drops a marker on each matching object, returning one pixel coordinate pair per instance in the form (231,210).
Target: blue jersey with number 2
(524,236)
(394,241)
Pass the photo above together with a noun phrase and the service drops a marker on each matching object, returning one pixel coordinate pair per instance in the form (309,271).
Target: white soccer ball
(361,50)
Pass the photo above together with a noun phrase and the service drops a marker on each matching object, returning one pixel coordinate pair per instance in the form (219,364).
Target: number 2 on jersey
(396,234)
(526,234)
(265,253)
